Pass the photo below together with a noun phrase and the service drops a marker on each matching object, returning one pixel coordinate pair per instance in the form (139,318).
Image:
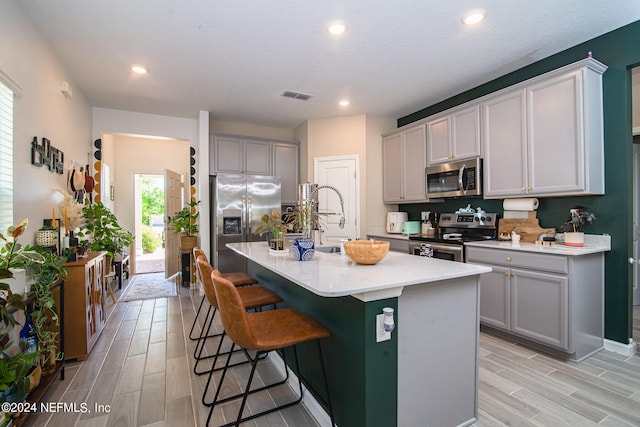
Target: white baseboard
(618,347)
(315,409)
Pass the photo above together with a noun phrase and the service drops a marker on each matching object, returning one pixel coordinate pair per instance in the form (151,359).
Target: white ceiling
(235,58)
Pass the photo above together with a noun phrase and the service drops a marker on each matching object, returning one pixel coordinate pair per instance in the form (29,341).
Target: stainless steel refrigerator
(239,201)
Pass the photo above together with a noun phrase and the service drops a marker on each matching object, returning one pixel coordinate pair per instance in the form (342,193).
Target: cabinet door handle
(529,188)
(508,258)
(506,274)
(513,275)
(523,189)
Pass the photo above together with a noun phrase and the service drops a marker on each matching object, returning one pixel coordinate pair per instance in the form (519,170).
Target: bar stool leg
(195,320)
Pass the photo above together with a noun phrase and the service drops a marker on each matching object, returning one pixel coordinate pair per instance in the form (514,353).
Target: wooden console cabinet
(84,305)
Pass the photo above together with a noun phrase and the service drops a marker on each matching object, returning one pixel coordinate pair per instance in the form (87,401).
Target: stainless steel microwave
(455,179)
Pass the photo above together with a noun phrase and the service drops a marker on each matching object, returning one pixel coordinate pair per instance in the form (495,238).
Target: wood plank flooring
(142,367)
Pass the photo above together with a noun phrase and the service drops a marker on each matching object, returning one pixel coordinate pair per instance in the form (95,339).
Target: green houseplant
(14,384)
(44,314)
(184,223)
(274,227)
(102,231)
(579,219)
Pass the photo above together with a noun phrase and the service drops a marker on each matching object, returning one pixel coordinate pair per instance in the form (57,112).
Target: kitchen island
(426,374)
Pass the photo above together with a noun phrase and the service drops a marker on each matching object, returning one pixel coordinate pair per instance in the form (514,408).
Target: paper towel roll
(529,204)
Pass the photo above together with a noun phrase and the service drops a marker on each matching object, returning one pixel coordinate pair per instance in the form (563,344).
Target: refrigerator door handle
(249,233)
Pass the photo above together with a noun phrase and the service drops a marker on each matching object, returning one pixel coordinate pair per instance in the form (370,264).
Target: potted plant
(103,233)
(273,226)
(184,223)
(44,314)
(14,383)
(579,219)
(13,258)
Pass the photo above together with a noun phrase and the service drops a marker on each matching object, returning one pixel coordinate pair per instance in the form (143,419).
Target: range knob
(489,219)
(482,218)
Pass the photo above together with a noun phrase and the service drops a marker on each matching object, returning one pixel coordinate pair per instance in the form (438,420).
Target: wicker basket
(47,237)
(365,251)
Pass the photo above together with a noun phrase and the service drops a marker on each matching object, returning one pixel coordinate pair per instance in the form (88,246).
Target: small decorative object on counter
(273,226)
(303,249)
(579,218)
(367,252)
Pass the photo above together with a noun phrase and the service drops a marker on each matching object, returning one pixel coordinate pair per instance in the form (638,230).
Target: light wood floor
(142,367)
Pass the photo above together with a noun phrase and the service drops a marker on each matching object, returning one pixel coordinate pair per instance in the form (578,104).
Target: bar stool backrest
(197,252)
(233,313)
(206,270)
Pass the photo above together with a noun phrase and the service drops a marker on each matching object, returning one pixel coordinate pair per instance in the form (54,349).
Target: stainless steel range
(454,230)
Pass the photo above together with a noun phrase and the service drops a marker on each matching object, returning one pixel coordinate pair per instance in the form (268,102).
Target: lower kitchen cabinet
(553,300)
(84,305)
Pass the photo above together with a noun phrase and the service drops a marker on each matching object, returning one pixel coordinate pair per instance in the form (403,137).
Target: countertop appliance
(455,179)
(453,230)
(239,201)
(395,221)
(411,227)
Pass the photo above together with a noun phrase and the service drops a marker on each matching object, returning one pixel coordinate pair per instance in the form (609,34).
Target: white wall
(40,111)
(158,128)
(247,129)
(143,155)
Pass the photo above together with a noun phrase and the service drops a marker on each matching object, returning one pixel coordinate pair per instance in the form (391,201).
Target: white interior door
(343,174)
(172,204)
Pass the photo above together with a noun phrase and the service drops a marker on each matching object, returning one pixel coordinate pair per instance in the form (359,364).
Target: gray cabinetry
(553,300)
(255,156)
(454,135)
(404,158)
(238,155)
(544,137)
(286,165)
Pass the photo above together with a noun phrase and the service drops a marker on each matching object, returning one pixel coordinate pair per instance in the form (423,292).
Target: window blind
(6,158)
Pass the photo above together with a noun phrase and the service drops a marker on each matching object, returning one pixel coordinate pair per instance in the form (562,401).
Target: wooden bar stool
(252,297)
(237,278)
(263,332)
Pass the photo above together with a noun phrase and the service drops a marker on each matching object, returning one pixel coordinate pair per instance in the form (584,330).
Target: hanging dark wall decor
(192,172)
(47,155)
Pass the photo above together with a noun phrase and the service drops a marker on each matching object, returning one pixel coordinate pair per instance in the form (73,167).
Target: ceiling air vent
(296,95)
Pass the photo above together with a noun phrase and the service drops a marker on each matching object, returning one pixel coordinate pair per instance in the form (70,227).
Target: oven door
(446,251)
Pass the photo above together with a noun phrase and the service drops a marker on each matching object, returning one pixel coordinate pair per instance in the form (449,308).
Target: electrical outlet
(381,334)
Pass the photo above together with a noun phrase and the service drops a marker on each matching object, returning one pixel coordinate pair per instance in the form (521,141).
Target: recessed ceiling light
(344,103)
(139,69)
(337,28)
(473,17)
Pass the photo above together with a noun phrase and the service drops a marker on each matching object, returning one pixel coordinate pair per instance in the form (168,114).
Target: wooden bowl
(365,251)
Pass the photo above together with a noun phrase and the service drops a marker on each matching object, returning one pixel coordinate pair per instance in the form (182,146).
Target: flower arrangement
(579,219)
(271,223)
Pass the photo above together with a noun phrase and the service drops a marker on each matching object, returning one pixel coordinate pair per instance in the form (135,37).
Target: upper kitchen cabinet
(286,161)
(239,155)
(544,137)
(454,135)
(404,162)
(256,156)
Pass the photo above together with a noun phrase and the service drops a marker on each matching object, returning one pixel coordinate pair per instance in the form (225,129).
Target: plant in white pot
(13,259)
(579,219)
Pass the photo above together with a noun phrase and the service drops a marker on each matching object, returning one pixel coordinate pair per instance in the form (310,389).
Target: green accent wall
(619,50)
(362,374)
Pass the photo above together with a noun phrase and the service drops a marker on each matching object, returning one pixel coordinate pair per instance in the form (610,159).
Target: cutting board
(528,228)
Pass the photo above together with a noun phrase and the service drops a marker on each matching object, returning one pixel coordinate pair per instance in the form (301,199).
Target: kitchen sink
(328,249)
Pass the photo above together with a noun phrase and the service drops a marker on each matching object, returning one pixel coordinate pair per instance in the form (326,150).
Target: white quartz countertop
(592,244)
(334,275)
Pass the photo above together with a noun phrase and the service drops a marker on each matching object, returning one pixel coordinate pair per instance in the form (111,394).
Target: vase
(303,249)
(574,238)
